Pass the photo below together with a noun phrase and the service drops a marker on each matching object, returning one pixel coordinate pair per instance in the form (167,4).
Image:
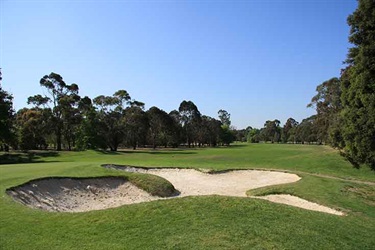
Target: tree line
(65,120)
(291,132)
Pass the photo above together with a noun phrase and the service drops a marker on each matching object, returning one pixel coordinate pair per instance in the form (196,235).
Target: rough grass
(209,222)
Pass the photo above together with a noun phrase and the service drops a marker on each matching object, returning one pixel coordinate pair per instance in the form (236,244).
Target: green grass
(199,222)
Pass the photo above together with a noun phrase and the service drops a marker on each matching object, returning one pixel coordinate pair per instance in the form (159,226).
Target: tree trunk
(58,138)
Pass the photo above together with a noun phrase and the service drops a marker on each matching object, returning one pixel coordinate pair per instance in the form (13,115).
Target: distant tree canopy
(64,120)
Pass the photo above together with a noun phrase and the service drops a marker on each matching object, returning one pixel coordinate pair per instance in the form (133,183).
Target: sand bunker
(85,194)
(231,183)
(78,194)
(298,202)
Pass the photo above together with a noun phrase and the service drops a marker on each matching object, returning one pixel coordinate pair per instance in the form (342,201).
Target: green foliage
(289,131)
(6,117)
(328,106)
(136,125)
(306,130)
(253,135)
(190,119)
(358,87)
(271,131)
(227,135)
(34,124)
(88,136)
(110,123)
(209,131)
(224,117)
(64,100)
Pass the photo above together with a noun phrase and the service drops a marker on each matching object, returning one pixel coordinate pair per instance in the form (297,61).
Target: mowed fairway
(204,222)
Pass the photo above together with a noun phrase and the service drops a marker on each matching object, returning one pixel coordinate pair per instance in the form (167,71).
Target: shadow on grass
(236,146)
(26,157)
(148,151)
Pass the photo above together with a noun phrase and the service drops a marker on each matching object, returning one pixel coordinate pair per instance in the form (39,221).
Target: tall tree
(272,131)
(110,114)
(253,135)
(161,126)
(62,97)
(306,130)
(327,103)
(209,131)
(88,132)
(288,130)
(176,131)
(34,126)
(224,117)
(190,118)
(6,117)
(358,87)
(136,126)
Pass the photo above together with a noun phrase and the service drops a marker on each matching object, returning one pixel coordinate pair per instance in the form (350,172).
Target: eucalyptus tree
(272,131)
(215,131)
(227,136)
(209,131)
(190,120)
(306,131)
(224,117)
(63,99)
(289,130)
(136,125)
(34,127)
(176,135)
(110,117)
(327,103)
(253,135)
(88,133)
(161,126)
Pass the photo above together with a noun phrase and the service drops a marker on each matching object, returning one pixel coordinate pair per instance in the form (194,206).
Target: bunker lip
(68,194)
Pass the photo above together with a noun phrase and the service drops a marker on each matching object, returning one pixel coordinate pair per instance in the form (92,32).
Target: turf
(199,222)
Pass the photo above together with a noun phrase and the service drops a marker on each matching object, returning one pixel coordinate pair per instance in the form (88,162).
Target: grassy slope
(199,222)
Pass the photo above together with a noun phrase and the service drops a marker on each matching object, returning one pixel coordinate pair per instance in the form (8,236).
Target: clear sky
(258,59)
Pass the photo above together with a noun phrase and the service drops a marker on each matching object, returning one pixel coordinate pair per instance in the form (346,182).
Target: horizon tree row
(292,132)
(65,120)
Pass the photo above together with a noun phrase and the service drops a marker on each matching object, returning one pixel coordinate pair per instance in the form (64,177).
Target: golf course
(198,222)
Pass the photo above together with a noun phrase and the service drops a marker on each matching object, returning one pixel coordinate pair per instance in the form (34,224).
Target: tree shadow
(26,157)
(151,151)
(236,146)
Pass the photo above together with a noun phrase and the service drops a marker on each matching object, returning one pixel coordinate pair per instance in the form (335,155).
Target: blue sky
(258,59)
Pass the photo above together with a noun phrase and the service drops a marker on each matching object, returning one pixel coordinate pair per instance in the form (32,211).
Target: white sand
(79,195)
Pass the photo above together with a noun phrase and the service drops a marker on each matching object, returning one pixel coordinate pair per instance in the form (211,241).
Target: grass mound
(153,184)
